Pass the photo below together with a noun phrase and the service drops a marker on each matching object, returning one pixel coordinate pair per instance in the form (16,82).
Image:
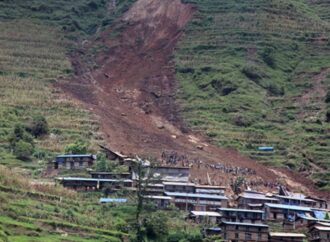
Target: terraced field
(32,56)
(256,73)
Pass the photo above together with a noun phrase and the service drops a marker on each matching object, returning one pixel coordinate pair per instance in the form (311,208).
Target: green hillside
(36,39)
(256,73)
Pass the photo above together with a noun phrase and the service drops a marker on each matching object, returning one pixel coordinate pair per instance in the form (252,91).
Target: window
(236,236)
(248,236)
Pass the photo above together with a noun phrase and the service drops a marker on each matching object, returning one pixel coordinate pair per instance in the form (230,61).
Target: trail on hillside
(133,88)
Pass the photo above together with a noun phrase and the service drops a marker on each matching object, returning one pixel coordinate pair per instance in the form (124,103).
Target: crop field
(257,73)
(32,56)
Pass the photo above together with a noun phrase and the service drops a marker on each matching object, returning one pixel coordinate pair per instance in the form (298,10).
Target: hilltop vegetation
(255,73)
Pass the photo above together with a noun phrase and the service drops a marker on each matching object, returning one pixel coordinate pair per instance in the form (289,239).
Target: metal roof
(257,196)
(179,184)
(246,224)
(195,195)
(297,197)
(321,228)
(159,197)
(76,155)
(91,179)
(240,210)
(289,207)
(205,213)
(280,234)
(113,200)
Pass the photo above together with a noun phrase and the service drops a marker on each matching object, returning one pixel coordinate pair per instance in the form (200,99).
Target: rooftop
(289,207)
(205,213)
(296,197)
(258,196)
(91,179)
(179,184)
(321,228)
(159,197)
(246,224)
(195,195)
(210,187)
(292,235)
(76,155)
(240,210)
(113,200)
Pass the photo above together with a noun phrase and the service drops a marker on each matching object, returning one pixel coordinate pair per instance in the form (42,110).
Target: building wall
(242,235)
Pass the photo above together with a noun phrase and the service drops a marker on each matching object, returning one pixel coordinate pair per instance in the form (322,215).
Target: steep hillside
(256,73)
(35,40)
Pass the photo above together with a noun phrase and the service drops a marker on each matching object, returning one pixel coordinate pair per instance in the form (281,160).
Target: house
(206,189)
(287,237)
(213,231)
(161,202)
(110,175)
(280,212)
(82,183)
(197,201)
(185,187)
(154,189)
(244,232)
(74,161)
(311,218)
(205,217)
(320,203)
(113,155)
(241,215)
(252,199)
(174,174)
(296,200)
(319,234)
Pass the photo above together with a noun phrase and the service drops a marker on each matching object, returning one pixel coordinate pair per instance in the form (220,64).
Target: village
(237,212)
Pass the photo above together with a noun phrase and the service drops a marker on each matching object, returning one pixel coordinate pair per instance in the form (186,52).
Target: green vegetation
(43,212)
(35,38)
(253,73)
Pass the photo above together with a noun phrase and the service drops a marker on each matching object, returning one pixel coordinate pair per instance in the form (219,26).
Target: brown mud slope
(132,90)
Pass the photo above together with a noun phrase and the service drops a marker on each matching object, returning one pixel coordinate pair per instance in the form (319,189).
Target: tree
(143,177)
(236,184)
(19,133)
(156,226)
(78,147)
(23,150)
(38,126)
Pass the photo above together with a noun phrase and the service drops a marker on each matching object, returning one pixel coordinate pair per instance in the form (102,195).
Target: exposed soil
(133,88)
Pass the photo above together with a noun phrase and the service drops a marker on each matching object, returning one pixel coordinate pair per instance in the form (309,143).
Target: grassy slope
(242,67)
(35,38)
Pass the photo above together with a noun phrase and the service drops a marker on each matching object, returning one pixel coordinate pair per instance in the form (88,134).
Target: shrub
(23,150)
(38,126)
(78,147)
(253,73)
(268,57)
(327,97)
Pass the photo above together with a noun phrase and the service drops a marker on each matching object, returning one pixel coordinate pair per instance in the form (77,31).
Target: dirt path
(133,91)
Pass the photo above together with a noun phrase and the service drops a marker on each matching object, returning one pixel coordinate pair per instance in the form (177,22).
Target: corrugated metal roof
(240,210)
(246,224)
(113,200)
(91,179)
(291,235)
(257,196)
(321,228)
(159,197)
(289,207)
(205,213)
(179,184)
(195,195)
(297,197)
(75,155)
